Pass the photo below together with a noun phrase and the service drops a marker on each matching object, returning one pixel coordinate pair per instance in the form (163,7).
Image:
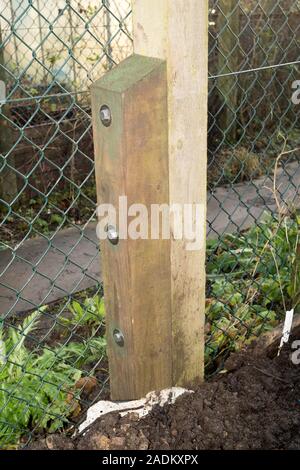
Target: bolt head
(112,234)
(105,115)
(118,337)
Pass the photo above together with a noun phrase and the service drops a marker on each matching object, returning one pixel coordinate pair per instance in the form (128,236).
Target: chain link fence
(52,346)
(253,172)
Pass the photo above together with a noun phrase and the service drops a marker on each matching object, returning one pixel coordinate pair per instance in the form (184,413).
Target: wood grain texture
(131,159)
(180,36)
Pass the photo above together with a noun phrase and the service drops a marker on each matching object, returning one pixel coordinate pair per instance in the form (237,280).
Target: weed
(34,385)
(91,312)
(252,279)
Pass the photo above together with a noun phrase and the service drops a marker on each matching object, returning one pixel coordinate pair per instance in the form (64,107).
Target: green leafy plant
(90,312)
(253,278)
(34,385)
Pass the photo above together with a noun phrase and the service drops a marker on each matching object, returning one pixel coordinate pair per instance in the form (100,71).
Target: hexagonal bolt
(118,337)
(105,115)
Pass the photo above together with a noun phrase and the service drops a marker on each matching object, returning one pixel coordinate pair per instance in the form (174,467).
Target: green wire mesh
(253,172)
(52,349)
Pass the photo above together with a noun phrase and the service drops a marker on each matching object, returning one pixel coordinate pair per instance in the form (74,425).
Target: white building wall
(52,42)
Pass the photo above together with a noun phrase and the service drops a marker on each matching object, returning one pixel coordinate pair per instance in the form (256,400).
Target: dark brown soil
(255,404)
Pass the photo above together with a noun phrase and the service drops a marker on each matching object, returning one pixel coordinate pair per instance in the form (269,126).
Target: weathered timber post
(150,135)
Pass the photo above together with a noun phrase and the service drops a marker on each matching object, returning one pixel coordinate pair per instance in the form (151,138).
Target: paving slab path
(41,271)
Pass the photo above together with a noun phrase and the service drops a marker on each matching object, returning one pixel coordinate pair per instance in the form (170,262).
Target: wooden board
(131,159)
(177,31)
(155,151)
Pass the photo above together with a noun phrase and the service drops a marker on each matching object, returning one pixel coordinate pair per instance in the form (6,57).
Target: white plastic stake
(286,329)
(2,91)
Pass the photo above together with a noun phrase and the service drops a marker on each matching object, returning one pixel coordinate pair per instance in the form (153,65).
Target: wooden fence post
(151,146)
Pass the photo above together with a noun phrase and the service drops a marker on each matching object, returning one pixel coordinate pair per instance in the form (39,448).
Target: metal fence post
(8,179)
(151,147)
(228,62)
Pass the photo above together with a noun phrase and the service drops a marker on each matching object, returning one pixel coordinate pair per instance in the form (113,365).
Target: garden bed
(253,404)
